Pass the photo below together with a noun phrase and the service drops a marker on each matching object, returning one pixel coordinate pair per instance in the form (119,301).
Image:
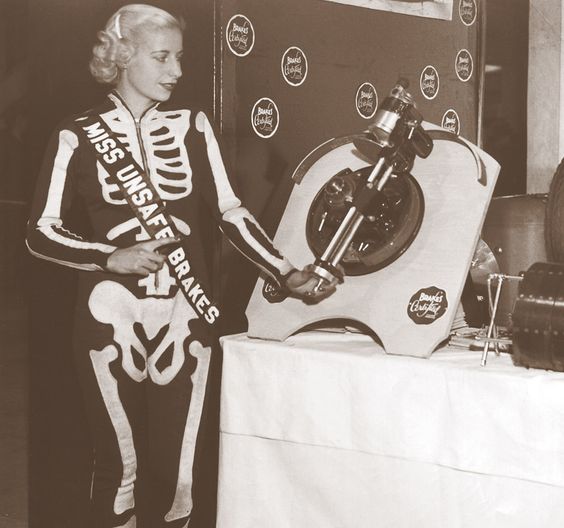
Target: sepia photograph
(281,264)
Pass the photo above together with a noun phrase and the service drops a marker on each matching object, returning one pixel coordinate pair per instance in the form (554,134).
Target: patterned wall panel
(295,73)
(340,61)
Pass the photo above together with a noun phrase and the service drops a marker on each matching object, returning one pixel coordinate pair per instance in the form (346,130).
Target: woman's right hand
(139,259)
(306,285)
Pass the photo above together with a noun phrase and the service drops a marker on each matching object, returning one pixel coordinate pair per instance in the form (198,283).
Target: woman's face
(154,69)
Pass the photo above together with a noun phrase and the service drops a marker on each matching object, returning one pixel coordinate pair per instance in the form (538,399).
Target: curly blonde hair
(118,40)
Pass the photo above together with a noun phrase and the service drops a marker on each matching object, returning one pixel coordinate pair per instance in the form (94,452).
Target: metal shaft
(339,234)
(492,319)
(345,233)
(346,240)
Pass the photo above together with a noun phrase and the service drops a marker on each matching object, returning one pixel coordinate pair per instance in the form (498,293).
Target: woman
(144,317)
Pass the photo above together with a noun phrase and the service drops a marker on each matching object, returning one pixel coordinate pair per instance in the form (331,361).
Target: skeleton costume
(142,351)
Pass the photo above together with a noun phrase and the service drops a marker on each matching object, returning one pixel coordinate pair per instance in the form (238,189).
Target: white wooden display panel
(440,256)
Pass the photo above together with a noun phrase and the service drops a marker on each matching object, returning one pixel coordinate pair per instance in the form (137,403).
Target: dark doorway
(505,97)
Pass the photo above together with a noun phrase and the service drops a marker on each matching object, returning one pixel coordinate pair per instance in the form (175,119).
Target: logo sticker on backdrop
(464,65)
(366,100)
(427,305)
(294,66)
(265,117)
(429,82)
(240,35)
(451,121)
(468,11)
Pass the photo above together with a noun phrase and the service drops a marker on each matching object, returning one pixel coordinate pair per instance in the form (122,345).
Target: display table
(325,430)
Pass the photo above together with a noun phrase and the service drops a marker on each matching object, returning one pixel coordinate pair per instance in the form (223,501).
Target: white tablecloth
(326,430)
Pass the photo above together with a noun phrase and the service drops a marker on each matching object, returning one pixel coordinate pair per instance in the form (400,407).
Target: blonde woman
(145,317)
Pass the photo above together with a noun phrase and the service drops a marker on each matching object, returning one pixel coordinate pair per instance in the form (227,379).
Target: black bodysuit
(143,353)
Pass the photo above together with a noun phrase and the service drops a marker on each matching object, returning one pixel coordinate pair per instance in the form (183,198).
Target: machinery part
(538,318)
(483,264)
(514,230)
(392,218)
(554,219)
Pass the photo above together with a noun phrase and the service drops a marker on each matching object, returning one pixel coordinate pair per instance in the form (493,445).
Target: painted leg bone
(182,505)
(111,303)
(101,360)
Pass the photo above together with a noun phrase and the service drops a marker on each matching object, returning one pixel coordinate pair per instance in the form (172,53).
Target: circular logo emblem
(294,66)
(240,35)
(451,121)
(366,100)
(265,117)
(468,11)
(272,293)
(464,65)
(429,82)
(427,305)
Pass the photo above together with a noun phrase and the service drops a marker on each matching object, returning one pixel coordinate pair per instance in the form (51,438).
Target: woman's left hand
(304,284)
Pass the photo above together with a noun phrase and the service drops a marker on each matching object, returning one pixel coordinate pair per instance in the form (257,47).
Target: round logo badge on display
(366,100)
(468,11)
(427,305)
(294,66)
(451,121)
(265,117)
(240,35)
(273,294)
(464,65)
(429,82)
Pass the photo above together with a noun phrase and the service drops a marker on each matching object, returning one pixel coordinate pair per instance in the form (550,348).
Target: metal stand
(493,303)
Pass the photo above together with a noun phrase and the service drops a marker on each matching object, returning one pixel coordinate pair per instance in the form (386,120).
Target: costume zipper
(141,146)
(145,166)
